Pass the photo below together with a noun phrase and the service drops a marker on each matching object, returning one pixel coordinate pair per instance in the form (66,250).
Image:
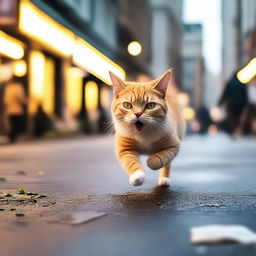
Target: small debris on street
(2,179)
(21,172)
(41,173)
(20,195)
(32,194)
(79,217)
(19,214)
(222,233)
(85,216)
(21,191)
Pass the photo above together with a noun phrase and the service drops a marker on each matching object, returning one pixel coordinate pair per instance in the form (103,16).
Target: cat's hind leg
(164,180)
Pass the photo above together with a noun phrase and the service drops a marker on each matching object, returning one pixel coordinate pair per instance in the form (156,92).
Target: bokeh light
(134,48)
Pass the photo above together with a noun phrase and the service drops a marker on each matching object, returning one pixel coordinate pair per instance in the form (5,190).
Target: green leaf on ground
(19,214)
(21,172)
(2,179)
(21,191)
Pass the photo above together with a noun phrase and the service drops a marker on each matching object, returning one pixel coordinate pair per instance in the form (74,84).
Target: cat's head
(139,107)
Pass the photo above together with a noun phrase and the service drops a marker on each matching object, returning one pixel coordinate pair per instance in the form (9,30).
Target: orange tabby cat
(147,120)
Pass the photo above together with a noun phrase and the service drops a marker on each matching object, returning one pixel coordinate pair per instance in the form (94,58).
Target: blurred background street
(56,136)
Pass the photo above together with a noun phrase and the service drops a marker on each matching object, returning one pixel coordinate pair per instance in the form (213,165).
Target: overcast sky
(208,13)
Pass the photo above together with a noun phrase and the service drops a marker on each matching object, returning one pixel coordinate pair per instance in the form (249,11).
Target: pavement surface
(212,182)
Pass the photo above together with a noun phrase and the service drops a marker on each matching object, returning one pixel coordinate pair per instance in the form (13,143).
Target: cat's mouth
(139,125)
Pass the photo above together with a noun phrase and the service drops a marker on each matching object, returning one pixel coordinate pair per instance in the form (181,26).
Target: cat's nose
(138,114)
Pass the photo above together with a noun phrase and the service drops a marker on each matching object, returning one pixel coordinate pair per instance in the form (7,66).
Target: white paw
(164,182)
(137,178)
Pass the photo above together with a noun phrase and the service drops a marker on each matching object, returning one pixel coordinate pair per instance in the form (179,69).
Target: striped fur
(163,125)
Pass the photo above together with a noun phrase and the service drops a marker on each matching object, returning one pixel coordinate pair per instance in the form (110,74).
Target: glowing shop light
(246,74)
(91,96)
(10,46)
(49,86)
(189,113)
(134,48)
(74,89)
(19,68)
(105,97)
(36,24)
(37,65)
(183,99)
(90,59)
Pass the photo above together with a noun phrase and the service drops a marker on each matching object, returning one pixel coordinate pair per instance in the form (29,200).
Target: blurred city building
(62,51)
(166,37)
(238,19)
(157,25)
(192,64)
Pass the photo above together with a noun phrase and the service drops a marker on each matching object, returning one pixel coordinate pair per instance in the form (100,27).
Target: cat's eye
(150,105)
(127,105)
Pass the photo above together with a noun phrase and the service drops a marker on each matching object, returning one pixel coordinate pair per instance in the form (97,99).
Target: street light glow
(189,113)
(10,46)
(246,74)
(92,60)
(91,96)
(134,48)
(183,99)
(19,68)
(34,23)
(73,92)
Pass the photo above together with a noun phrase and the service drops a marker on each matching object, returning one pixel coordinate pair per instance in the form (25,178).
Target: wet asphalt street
(212,182)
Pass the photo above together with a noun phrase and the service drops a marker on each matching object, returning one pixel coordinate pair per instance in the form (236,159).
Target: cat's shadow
(159,197)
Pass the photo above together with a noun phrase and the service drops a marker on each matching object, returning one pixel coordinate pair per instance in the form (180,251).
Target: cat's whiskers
(109,128)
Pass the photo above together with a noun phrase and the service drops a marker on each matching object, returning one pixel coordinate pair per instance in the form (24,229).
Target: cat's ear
(117,83)
(163,82)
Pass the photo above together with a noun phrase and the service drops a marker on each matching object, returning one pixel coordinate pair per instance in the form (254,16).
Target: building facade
(193,66)
(64,50)
(238,18)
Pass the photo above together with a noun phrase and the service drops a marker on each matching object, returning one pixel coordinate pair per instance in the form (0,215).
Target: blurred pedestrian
(14,105)
(249,118)
(234,101)
(204,119)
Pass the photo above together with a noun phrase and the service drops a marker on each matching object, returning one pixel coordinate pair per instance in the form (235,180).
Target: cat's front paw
(154,162)
(137,178)
(163,182)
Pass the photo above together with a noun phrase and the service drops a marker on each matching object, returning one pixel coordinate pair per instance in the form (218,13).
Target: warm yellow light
(91,96)
(44,29)
(5,72)
(74,89)
(37,62)
(189,113)
(10,46)
(41,83)
(105,97)
(183,99)
(19,68)
(93,61)
(134,48)
(36,80)
(49,86)
(246,74)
